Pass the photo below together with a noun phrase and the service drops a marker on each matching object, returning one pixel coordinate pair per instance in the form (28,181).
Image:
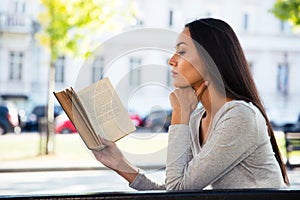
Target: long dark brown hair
(221,43)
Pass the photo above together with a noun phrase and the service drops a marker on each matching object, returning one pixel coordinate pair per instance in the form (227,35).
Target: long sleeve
(237,153)
(143,182)
(233,137)
(179,150)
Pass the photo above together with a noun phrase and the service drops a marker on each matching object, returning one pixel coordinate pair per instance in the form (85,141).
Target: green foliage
(287,10)
(67,24)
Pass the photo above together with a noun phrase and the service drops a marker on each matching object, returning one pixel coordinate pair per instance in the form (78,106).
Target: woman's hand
(112,157)
(184,101)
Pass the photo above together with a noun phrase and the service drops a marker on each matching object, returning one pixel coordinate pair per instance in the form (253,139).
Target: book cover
(96,111)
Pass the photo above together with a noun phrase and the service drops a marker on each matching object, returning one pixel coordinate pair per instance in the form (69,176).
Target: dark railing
(244,194)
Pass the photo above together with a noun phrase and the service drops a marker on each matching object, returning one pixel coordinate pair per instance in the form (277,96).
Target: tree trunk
(50,110)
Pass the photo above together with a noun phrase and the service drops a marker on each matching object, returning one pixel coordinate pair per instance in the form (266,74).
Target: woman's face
(186,62)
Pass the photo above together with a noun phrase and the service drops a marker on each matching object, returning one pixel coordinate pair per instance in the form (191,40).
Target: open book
(96,110)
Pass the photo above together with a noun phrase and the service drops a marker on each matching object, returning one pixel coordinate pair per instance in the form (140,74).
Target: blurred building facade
(18,57)
(142,76)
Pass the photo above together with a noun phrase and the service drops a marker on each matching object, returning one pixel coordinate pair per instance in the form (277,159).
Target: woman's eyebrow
(180,43)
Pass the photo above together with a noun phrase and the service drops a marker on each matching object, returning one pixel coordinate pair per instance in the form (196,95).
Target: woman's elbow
(174,184)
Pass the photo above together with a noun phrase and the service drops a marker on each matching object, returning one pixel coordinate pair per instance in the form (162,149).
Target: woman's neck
(212,101)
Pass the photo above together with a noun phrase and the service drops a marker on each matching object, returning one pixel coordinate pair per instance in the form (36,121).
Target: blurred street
(48,46)
(73,169)
(84,181)
(54,175)
(57,182)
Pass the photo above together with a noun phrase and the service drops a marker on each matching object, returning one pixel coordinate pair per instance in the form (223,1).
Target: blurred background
(44,45)
(271,47)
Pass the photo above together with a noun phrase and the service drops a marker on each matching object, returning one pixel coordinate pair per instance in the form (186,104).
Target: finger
(104,141)
(202,89)
(95,152)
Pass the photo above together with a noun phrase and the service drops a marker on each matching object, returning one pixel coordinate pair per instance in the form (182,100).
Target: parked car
(9,119)
(64,125)
(287,125)
(135,118)
(38,113)
(297,125)
(292,127)
(158,120)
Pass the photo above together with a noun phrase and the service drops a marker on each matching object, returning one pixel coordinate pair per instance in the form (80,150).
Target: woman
(229,142)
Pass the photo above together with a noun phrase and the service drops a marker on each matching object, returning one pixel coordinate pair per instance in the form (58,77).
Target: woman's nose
(172,61)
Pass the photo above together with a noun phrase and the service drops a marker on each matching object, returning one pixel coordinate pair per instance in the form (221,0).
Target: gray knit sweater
(237,153)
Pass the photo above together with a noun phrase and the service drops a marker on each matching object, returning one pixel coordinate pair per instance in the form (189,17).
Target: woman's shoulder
(232,109)
(235,106)
(239,110)
(245,115)
(240,106)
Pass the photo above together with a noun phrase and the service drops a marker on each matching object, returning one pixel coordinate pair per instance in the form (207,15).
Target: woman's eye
(181,52)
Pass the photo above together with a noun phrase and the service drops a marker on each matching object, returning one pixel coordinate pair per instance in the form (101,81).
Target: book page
(77,120)
(81,115)
(105,110)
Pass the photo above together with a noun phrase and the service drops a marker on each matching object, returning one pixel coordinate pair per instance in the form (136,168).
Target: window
(60,69)
(135,72)
(246,21)
(98,69)
(285,27)
(282,78)
(282,26)
(16,65)
(20,7)
(171,18)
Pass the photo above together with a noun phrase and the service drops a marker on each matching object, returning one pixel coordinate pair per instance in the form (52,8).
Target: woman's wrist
(127,171)
(180,117)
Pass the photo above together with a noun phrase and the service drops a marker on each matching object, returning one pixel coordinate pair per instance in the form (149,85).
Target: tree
(287,10)
(66,25)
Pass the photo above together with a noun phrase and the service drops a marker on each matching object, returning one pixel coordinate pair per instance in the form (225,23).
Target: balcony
(15,23)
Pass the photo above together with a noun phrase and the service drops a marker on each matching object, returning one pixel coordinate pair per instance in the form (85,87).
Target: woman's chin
(180,84)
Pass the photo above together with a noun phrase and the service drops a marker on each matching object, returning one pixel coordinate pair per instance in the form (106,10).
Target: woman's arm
(112,157)
(232,139)
(183,102)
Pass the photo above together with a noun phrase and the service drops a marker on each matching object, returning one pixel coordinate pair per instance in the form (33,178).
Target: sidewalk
(58,165)
(152,157)
(48,165)
(145,150)
(92,164)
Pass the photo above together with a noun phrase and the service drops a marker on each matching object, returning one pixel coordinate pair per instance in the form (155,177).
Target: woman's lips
(174,73)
